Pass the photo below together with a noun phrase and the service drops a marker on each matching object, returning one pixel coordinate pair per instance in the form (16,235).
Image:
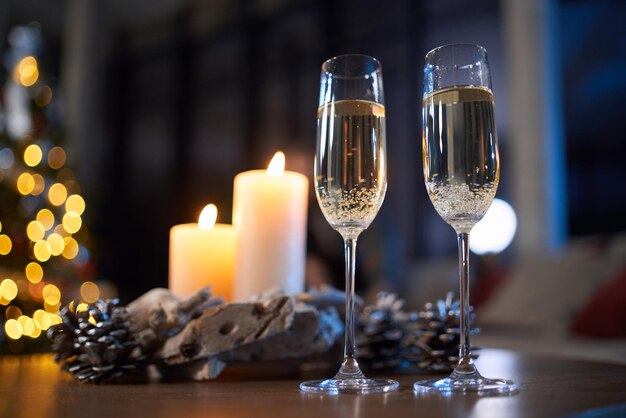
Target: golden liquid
(350,167)
(460,154)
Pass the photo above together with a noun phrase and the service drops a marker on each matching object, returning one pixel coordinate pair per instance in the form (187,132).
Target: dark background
(179,96)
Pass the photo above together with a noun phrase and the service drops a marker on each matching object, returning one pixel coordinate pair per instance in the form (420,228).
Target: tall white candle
(269,216)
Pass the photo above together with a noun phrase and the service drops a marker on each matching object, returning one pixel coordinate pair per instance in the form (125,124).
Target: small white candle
(269,215)
(202,255)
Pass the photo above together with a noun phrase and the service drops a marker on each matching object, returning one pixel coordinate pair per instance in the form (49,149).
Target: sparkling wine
(461,163)
(350,173)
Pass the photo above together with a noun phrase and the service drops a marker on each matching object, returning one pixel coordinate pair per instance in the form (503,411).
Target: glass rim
(377,62)
(481,48)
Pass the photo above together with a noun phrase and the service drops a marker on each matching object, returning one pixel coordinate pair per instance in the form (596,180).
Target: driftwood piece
(227,327)
(311,332)
(159,314)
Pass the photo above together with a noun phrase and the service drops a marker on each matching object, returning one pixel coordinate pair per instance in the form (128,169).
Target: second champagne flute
(350,184)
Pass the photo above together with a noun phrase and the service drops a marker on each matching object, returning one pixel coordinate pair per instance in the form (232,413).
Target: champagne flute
(461,171)
(350,184)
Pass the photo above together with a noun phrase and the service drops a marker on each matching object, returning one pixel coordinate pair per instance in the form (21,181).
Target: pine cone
(95,345)
(391,338)
(382,343)
(437,335)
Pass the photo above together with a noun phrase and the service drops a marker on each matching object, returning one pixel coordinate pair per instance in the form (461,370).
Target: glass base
(361,385)
(474,383)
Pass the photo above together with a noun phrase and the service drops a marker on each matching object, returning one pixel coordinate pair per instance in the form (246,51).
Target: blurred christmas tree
(42,238)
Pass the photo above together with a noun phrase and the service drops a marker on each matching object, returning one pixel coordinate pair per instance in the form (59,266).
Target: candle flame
(208,216)
(277,165)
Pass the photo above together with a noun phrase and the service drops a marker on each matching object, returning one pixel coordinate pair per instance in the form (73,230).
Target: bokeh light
(13,329)
(35,231)
(38,317)
(71,248)
(82,307)
(40,184)
(46,217)
(28,325)
(32,155)
(12,312)
(51,294)
(35,290)
(56,158)
(42,251)
(34,272)
(75,203)
(43,96)
(57,244)
(496,230)
(26,71)
(25,183)
(57,194)
(72,222)
(6,158)
(8,289)
(89,292)
(51,307)
(5,244)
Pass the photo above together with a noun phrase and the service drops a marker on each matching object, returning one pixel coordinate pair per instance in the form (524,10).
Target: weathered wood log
(311,332)
(159,314)
(227,327)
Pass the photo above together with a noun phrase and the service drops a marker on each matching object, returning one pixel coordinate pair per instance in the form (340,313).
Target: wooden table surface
(33,386)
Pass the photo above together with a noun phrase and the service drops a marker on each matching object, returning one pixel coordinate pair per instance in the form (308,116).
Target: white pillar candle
(269,216)
(202,255)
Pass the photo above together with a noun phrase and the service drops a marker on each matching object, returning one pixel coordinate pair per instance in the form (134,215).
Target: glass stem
(465,365)
(350,368)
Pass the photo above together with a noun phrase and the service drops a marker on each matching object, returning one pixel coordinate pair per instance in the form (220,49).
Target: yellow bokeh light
(40,184)
(28,327)
(46,217)
(42,251)
(89,292)
(57,194)
(81,307)
(38,317)
(51,294)
(13,329)
(0,226)
(57,244)
(92,320)
(72,222)
(34,272)
(51,307)
(25,183)
(32,155)
(27,72)
(36,332)
(13,312)
(56,158)
(8,289)
(71,248)
(5,244)
(75,203)
(35,231)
